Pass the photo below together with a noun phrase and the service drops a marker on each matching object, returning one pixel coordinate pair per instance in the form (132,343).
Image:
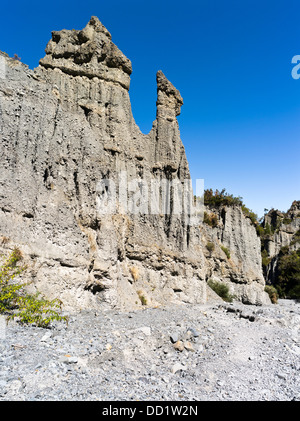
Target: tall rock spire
(169,150)
(168,97)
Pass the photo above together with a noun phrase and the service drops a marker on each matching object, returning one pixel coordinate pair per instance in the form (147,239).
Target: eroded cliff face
(66,127)
(283,228)
(236,255)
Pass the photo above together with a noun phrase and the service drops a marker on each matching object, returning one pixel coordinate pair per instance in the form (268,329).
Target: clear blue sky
(230,60)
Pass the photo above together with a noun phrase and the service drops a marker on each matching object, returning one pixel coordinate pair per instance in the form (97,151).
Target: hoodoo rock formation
(283,231)
(67,127)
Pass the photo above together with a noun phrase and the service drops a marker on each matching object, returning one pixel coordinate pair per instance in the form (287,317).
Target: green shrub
(218,198)
(210,219)
(296,238)
(284,250)
(288,281)
(286,221)
(260,230)
(272,292)
(221,289)
(142,298)
(265,259)
(9,290)
(226,251)
(15,302)
(268,229)
(294,293)
(210,246)
(250,214)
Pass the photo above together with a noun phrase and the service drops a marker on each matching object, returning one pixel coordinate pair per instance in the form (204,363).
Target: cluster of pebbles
(217,352)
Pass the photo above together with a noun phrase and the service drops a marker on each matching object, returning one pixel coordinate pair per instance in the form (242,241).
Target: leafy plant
(15,302)
(268,229)
(265,259)
(250,214)
(296,238)
(32,309)
(218,198)
(210,219)
(221,289)
(288,281)
(286,221)
(210,246)
(9,291)
(142,298)
(226,251)
(273,293)
(260,230)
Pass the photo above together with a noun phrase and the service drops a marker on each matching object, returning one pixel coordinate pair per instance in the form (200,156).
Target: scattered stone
(256,363)
(14,387)
(178,367)
(144,380)
(179,346)
(281,376)
(46,337)
(194,332)
(174,337)
(188,346)
(18,346)
(68,359)
(146,330)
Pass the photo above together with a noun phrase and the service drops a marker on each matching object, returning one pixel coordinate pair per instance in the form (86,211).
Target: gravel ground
(217,352)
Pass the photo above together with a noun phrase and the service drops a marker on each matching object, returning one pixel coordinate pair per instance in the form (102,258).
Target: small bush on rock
(221,289)
(142,297)
(15,302)
(226,251)
(210,246)
(273,294)
(210,219)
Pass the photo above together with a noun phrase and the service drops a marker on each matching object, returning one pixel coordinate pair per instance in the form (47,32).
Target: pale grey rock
(242,272)
(178,367)
(66,126)
(194,332)
(284,227)
(89,52)
(174,337)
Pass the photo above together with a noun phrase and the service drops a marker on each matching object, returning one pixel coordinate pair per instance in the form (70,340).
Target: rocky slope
(188,352)
(236,258)
(282,230)
(68,137)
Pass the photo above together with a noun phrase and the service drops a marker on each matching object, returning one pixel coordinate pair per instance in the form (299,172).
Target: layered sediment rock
(283,229)
(67,136)
(236,255)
